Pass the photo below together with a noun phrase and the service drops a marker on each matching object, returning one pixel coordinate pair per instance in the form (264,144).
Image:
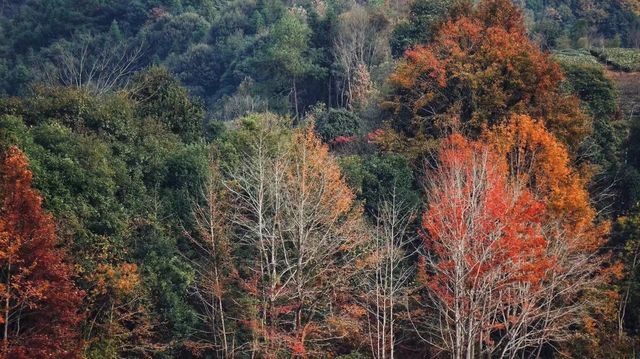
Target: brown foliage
(297,217)
(479,70)
(40,302)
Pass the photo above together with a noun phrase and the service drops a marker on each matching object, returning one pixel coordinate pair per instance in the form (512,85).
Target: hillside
(628,84)
(336,179)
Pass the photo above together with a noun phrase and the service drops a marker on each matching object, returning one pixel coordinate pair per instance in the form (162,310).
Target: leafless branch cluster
(358,45)
(385,282)
(213,265)
(98,66)
(293,214)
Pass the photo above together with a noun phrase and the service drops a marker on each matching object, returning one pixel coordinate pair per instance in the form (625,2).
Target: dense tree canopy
(479,70)
(319,179)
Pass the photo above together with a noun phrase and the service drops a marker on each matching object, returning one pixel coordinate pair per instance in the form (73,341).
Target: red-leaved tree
(39,300)
(486,252)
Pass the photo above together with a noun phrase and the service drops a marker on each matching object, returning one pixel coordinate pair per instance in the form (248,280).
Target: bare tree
(294,212)
(359,44)
(385,282)
(254,185)
(242,103)
(214,265)
(546,312)
(503,278)
(95,64)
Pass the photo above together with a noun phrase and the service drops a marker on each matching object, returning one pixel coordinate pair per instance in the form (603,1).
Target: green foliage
(211,47)
(377,178)
(603,147)
(424,18)
(352,168)
(287,45)
(198,68)
(592,87)
(337,122)
(171,34)
(234,146)
(620,59)
(582,22)
(120,179)
(78,177)
(186,171)
(575,58)
(168,276)
(163,99)
(283,60)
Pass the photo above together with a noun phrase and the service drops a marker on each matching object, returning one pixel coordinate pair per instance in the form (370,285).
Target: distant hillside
(225,51)
(561,23)
(620,65)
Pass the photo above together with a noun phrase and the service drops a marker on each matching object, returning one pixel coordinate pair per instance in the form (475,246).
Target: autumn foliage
(300,224)
(480,69)
(40,302)
(512,243)
(408,179)
(472,200)
(539,161)
(485,245)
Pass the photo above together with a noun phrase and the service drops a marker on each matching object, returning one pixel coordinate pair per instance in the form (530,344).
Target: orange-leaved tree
(214,267)
(486,253)
(473,193)
(541,163)
(39,300)
(122,311)
(296,218)
(479,69)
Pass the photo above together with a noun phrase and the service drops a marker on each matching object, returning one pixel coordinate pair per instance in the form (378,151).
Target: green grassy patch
(575,58)
(620,59)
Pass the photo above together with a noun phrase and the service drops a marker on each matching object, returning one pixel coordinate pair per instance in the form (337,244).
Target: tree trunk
(7,303)
(295,100)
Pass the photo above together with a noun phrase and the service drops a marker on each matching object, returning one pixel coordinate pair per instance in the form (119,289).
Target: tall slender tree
(298,224)
(214,266)
(384,286)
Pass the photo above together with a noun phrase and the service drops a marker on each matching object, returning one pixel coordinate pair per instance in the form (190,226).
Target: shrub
(334,123)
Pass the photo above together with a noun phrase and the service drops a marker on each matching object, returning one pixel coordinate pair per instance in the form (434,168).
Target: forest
(342,179)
